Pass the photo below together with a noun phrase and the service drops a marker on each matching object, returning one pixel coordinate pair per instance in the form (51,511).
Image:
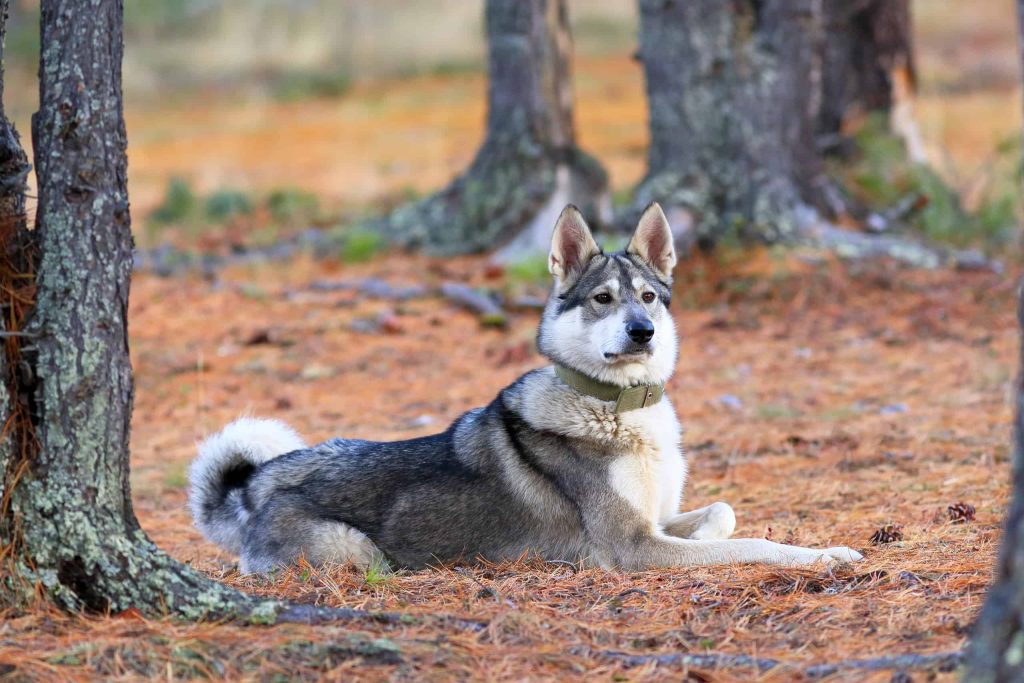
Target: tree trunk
(869,68)
(67,517)
(529,166)
(732,90)
(868,54)
(997,644)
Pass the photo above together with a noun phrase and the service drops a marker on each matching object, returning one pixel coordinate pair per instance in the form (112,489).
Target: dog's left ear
(653,241)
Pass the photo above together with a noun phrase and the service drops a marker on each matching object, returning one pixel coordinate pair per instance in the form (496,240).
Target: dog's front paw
(828,556)
(844,554)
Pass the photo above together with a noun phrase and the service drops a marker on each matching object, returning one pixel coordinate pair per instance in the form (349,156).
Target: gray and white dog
(578,461)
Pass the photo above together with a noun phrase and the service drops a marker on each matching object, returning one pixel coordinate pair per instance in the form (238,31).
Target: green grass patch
(179,203)
(531,270)
(881,175)
(223,205)
(176,476)
(290,206)
(378,573)
(359,246)
(301,85)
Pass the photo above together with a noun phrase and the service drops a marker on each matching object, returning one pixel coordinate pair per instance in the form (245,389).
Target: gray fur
(541,470)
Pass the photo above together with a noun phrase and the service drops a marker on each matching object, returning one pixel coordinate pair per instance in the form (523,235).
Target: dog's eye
(648,297)
(603,298)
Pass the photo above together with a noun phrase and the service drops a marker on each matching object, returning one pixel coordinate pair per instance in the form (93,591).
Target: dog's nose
(640,331)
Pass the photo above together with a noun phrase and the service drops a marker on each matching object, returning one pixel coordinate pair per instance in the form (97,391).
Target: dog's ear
(572,247)
(653,242)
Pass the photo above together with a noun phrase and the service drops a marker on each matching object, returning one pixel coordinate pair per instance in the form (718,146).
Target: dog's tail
(221,471)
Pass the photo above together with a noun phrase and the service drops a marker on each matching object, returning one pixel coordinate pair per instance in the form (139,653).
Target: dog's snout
(640,331)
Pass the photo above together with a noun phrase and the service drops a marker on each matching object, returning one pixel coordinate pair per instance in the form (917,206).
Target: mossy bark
(529,165)
(68,517)
(733,91)
(869,47)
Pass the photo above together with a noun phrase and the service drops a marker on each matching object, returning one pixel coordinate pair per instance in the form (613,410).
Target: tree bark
(868,55)
(67,518)
(997,644)
(529,166)
(733,91)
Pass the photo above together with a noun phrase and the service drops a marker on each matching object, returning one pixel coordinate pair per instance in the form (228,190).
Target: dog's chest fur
(645,464)
(651,471)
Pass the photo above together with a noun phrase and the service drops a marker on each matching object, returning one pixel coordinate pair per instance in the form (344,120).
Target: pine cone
(890,533)
(960,513)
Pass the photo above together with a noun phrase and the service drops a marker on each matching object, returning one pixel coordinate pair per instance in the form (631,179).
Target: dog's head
(607,316)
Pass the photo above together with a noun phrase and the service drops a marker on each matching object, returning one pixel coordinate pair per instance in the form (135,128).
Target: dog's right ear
(572,247)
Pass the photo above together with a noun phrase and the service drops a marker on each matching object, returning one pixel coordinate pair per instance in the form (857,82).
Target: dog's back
(487,487)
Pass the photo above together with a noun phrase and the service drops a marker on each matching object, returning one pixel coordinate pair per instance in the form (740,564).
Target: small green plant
(300,85)
(882,175)
(378,573)
(531,270)
(359,246)
(175,476)
(178,205)
(223,205)
(290,205)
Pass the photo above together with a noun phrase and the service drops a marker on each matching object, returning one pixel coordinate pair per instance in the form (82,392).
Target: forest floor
(822,400)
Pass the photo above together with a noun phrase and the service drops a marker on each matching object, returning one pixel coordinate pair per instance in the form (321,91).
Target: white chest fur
(651,472)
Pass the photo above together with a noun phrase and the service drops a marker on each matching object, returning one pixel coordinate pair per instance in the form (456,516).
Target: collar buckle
(626,399)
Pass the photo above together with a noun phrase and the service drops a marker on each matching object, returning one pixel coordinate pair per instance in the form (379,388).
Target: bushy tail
(220,472)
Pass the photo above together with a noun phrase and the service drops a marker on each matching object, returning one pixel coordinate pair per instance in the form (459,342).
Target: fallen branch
(942,662)
(884,221)
(484,306)
(815,232)
(312,615)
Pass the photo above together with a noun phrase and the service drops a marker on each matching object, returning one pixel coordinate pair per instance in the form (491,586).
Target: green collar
(626,399)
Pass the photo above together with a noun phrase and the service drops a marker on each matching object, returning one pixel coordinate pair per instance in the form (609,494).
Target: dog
(578,461)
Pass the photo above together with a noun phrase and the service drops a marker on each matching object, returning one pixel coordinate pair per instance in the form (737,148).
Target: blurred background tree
(529,166)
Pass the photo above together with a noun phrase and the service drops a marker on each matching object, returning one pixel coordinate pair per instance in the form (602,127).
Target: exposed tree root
(943,661)
(855,245)
(309,614)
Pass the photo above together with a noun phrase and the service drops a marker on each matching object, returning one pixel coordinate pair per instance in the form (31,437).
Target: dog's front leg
(669,551)
(624,537)
(710,522)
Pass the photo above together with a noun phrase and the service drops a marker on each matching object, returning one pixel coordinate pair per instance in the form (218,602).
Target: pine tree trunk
(529,166)
(997,643)
(868,56)
(731,88)
(67,517)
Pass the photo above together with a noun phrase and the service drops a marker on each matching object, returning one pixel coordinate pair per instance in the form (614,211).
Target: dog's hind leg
(277,542)
(713,521)
(338,542)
